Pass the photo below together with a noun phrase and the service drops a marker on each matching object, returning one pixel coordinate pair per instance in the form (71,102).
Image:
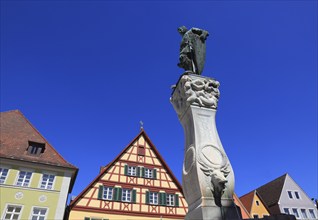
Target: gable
(293,194)
(258,207)
(140,169)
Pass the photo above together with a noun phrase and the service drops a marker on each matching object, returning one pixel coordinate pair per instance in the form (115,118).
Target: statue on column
(192,49)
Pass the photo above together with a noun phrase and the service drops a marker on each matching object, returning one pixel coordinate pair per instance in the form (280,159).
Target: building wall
(303,202)
(32,195)
(258,208)
(90,204)
(78,215)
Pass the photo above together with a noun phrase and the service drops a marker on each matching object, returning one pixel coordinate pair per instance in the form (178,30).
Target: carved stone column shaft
(208,178)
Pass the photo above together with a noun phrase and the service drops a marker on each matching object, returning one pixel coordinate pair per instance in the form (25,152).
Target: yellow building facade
(34,179)
(137,184)
(254,205)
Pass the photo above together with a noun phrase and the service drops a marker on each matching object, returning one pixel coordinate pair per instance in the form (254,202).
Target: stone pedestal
(208,178)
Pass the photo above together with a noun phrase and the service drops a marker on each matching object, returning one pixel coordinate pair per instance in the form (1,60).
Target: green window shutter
(126,170)
(119,193)
(147,197)
(162,199)
(134,193)
(100,192)
(87,218)
(142,172)
(176,197)
(154,173)
(138,171)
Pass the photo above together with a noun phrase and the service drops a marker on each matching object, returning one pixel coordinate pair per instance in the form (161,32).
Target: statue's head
(182,30)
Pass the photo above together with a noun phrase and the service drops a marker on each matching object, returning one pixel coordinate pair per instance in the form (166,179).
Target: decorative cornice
(195,90)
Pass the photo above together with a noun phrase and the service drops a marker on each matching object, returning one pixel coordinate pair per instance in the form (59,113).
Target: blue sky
(86,72)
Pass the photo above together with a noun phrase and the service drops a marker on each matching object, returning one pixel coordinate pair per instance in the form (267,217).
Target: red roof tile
(16,132)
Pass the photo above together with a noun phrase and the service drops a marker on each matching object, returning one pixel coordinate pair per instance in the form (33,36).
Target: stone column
(208,178)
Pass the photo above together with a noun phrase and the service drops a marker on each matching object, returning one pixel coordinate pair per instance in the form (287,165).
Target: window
(286,211)
(3,174)
(12,212)
(148,173)
(38,214)
(126,195)
(141,150)
(295,211)
(303,213)
(24,178)
(132,171)
(312,213)
(108,193)
(36,148)
(255,216)
(297,195)
(153,198)
(257,202)
(47,181)
(170,200)
(290,194)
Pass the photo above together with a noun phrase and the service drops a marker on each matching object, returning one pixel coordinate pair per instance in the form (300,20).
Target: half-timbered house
(137,184)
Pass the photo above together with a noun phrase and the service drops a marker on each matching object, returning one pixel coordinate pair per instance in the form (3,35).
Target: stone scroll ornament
(192,49)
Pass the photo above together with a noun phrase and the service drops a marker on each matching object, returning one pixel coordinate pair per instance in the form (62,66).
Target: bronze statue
(192,49)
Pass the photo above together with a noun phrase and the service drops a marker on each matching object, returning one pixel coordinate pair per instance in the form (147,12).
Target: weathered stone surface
(208,177)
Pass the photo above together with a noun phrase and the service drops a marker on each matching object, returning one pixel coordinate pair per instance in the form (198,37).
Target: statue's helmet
(182,30)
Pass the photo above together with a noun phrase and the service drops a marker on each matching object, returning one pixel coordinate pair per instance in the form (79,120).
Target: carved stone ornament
(194,90)
(18,195)
(214,164)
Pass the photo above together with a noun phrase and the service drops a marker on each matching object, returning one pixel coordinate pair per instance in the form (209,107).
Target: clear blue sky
(86,72)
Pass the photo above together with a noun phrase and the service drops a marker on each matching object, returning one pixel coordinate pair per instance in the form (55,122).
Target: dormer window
(36,148)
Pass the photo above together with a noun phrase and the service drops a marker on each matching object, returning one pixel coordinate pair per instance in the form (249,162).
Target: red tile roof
(16,132)
(247,200)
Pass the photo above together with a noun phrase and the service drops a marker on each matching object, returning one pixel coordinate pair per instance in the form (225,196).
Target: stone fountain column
(208,178)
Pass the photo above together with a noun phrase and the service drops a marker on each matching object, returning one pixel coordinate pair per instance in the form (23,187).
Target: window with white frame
(312,213)
(148,173)
(108,193)
(170,200)
(290,195)
(295,212)
(38,213)
(3,174)
(126,195)
(153,198)
(12,212)
(24,178)
(304,213)
(297,195)
(132,171)
(286,211)
(47,181)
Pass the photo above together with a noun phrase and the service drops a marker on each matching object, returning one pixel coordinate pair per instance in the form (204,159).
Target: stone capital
(196,90)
